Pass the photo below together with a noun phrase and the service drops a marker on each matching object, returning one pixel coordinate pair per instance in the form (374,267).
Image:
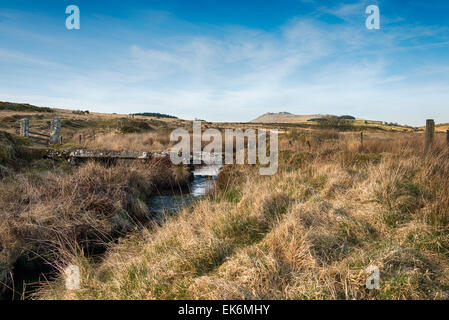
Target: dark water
(26,279)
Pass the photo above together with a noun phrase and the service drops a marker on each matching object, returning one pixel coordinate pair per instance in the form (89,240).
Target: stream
(28,275)
(203,182)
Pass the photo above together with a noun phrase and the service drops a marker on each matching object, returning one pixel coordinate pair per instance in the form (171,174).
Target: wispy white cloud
(13,56)
(346,11)
(304,67)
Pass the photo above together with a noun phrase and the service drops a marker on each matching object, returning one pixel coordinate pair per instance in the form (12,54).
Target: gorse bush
(13,149)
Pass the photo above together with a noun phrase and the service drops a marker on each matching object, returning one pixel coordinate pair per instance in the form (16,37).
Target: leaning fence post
(55,130)
(430,134)
(24,127)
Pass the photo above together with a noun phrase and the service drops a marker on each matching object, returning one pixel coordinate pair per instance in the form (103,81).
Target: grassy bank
(88,124)
(308,232)
(50,208)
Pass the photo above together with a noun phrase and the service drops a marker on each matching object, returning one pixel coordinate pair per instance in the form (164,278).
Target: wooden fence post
(361,139)
(55,130)
(430,134)
(61,140)
(24,127)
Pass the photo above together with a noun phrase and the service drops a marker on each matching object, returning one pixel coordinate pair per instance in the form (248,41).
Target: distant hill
(286,117)
(23,107)
(327,121)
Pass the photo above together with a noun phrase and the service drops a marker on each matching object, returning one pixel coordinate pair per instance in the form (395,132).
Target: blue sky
(230,60)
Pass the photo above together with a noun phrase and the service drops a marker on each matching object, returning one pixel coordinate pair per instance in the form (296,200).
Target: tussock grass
(45,214)
(308,232)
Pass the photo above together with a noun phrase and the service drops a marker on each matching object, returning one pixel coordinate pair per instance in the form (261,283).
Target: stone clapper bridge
(111,156)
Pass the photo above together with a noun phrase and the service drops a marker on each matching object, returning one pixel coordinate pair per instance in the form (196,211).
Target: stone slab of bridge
(85,154)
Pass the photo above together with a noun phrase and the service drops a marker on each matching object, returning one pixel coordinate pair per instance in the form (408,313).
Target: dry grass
(308,232)
(45,211)
(151,141)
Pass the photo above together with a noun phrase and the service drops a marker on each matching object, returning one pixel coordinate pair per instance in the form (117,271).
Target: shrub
(155,115)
